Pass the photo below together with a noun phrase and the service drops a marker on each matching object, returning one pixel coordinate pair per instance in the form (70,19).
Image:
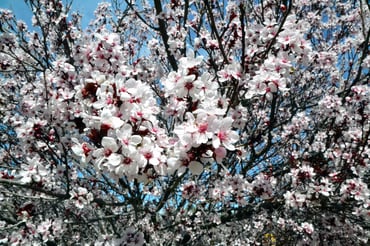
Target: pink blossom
(223,135)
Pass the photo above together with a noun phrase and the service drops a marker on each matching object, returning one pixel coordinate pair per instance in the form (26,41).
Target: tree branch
(214,30)
(164,35)
(34,188)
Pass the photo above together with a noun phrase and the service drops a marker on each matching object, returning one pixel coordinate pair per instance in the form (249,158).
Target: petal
(135,139)
(228,145)
(115,122)
(233,137)
(109,143)
(154,161)
(127,128)
(77,149)
(201,138)
(115,159)
(220,154)
(226,123)
(195,167)
(216,142)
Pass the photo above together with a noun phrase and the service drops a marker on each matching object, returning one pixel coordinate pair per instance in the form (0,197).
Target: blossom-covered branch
(186,123)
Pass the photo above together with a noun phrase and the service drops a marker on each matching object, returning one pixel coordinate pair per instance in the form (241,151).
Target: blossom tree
(186,123)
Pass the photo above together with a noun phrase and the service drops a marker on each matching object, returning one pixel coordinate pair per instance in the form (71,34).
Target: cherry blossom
(186,123)
(223,135)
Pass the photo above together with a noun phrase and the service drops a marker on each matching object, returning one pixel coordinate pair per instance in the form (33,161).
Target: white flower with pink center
(150,152)
(107,155)
(223,134)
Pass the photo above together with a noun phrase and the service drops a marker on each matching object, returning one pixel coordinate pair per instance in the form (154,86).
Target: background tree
(186,123)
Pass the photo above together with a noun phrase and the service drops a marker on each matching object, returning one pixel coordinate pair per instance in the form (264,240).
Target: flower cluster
(186,123)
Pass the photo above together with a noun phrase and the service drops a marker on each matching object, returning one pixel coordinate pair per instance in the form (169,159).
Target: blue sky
(21,11)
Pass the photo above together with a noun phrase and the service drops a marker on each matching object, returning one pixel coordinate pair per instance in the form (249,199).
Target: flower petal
(195,167)
(115,159)
(135,139)
(109,143)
